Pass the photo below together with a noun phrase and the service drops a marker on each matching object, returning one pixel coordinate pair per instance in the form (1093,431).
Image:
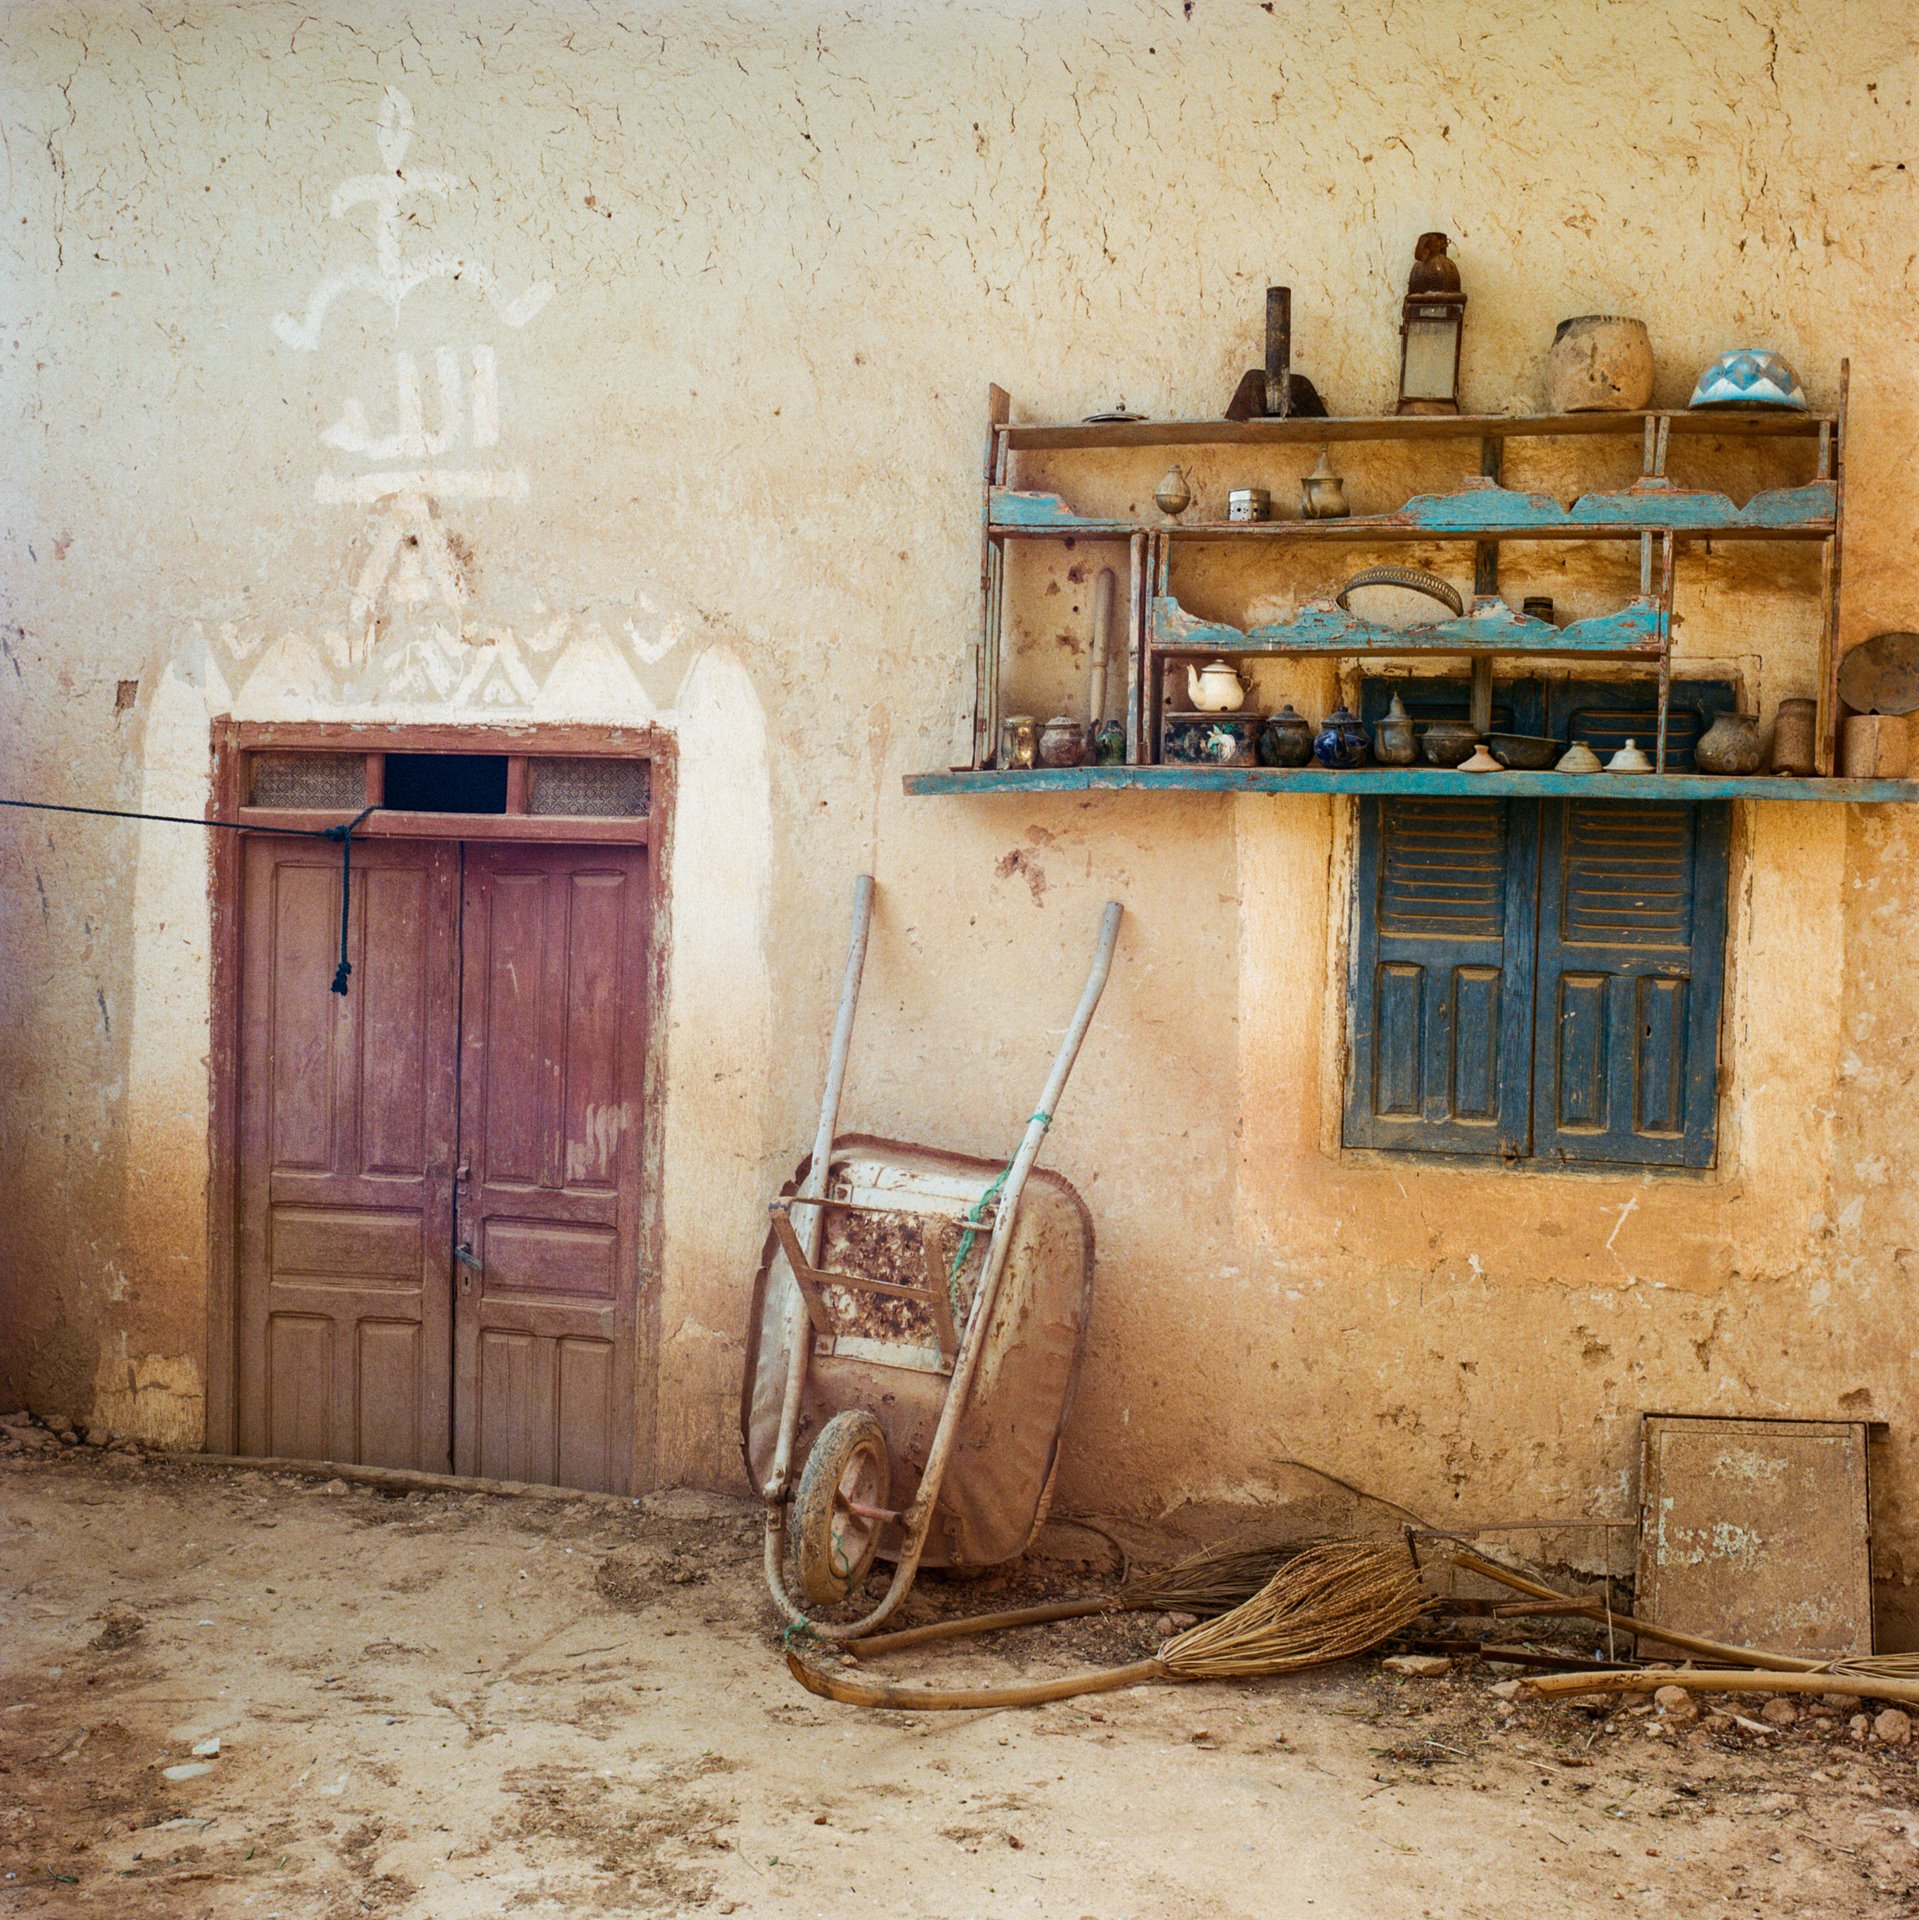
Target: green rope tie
(973,1216)
(800,1629)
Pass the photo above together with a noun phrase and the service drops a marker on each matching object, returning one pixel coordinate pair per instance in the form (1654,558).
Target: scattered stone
(58,1423)
(119,1627)
(1893,1727)
(1677,1705)
(334,1486)
(1418,1666)
(1779,1713)
(1505,1689)
(1840,1702)
(207,1749)
(1859,1726)
(187,1770)
(98,1437)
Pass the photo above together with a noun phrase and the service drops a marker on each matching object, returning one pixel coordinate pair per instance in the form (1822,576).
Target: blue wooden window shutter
(1541,978)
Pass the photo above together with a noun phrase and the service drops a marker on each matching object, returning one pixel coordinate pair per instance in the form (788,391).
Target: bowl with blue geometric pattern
(1750,377)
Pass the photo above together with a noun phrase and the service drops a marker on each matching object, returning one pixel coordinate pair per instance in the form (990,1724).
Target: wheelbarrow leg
(799,1332)
(918,1518)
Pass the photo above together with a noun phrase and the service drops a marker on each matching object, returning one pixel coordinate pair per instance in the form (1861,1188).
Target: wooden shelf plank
(1475,512)
(1755,424)
(1414,781)
(1488,627)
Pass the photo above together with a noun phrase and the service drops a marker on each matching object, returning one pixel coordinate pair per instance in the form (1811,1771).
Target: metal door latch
(465,1255)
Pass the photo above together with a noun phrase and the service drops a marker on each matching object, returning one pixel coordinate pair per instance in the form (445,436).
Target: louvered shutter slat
(1442,963)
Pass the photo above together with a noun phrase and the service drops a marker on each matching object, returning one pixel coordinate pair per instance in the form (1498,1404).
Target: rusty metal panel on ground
(1755,1532)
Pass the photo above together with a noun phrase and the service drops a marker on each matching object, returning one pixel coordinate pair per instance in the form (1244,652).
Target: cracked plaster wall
(788,247)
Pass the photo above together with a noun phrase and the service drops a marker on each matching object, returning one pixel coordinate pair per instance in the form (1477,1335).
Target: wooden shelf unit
(1411,781)
(1663,518)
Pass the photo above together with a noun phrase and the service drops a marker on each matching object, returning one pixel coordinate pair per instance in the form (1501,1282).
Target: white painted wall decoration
(414,634)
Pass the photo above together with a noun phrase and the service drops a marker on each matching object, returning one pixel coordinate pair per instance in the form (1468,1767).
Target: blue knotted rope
(974,1215)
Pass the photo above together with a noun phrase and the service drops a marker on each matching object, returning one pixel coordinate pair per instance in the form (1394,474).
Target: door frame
(231,743)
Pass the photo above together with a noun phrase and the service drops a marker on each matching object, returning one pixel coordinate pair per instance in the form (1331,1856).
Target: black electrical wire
(343,833)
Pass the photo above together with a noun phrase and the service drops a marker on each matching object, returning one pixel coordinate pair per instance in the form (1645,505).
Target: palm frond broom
(1322,1602)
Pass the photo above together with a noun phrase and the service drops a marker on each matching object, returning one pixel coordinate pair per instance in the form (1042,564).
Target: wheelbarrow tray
(885,1357)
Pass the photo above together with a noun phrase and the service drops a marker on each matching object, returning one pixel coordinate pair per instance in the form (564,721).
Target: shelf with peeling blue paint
(1490,626)
(1416,781)
(1104,435)
(1479,510)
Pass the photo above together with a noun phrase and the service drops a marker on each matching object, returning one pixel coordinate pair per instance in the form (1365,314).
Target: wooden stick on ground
(1868,1686)
(1646,1629)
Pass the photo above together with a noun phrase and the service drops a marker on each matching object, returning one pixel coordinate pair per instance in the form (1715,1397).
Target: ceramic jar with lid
(1062,742)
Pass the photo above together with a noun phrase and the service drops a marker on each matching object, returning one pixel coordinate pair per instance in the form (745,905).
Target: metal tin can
(1249,503)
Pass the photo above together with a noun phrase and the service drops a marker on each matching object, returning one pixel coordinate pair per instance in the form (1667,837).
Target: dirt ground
(432,1706)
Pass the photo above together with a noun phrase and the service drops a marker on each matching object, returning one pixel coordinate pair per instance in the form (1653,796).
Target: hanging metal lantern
(1433,320)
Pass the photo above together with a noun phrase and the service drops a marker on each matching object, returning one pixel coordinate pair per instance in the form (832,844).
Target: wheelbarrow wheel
(847,1469)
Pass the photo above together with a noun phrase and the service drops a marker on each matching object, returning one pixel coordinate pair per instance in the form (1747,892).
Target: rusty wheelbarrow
(916,1332)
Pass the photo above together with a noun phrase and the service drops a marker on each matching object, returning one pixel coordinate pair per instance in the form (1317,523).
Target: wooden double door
(440,1216)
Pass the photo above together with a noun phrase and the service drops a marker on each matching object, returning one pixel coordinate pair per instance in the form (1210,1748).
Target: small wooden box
(1209,739)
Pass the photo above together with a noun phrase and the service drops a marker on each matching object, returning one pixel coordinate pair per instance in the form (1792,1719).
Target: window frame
(1514,1136)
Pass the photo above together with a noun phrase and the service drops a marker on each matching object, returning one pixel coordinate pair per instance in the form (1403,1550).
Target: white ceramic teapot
(1215,688)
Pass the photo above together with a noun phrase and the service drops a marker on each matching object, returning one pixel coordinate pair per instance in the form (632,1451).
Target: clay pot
(1394,743)
(1792,736)
(1599,363)
(1578,758)
(1730,745)
(1286,740)
(1447,742)
(1629,759)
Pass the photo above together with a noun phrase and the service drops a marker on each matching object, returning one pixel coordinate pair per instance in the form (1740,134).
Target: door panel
(347,1110)
(552,1052)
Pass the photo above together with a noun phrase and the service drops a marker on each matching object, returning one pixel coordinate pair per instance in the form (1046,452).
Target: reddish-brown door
(347,1116)
(439,1182)
(553,1044)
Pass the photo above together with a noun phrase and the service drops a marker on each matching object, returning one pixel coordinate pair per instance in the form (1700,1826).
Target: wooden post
(1826,758)
(999,408)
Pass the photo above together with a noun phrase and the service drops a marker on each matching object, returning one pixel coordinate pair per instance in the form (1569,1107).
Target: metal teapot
(1217,687)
